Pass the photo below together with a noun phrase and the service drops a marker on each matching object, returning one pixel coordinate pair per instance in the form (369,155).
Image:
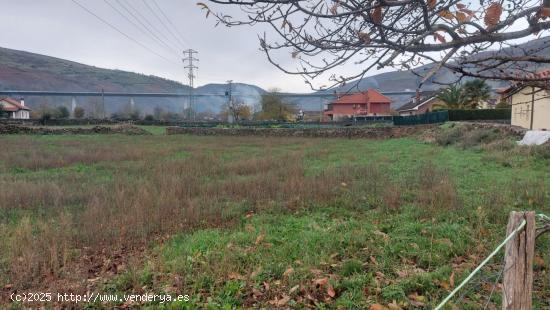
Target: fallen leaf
(416,297)
(235,276)
(283,301)
(260,238)
(366,291)
(378,307)
(381,234)
(373,260)
(294,289)
(417,303)
(288,272)
(330,291)
(256,293)
(394,306)
(432,4)
(417,300)
(321,282)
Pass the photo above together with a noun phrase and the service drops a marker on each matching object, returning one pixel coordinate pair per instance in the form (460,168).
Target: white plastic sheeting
(535,137)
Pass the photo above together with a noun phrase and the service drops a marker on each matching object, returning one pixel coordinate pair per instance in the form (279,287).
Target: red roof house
(367,103)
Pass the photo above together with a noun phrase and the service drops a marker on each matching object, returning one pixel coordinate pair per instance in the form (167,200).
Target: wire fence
(483,287)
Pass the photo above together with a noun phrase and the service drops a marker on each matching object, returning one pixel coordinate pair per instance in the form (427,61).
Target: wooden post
(518,263)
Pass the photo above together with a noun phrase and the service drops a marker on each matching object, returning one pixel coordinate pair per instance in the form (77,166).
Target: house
(420,104)
(490,103)
(367,103)
(15,109)
(530,103)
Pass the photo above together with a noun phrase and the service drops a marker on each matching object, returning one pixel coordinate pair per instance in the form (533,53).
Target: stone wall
(37,130)
(61,122)
(345,132)
(503,128)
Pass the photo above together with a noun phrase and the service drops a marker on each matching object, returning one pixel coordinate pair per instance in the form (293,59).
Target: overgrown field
(266,222)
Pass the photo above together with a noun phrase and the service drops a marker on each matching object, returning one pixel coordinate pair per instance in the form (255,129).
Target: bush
(468,138)
(149,117)
(62,112)
(448,136)
(79,112)
(478,137)
(485,114)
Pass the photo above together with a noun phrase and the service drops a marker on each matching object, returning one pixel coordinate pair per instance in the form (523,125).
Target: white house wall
(521,109)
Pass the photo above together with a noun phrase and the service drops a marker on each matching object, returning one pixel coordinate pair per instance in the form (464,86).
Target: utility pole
(229,102)
(189,60)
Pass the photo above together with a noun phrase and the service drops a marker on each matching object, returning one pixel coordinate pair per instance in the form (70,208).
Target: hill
(22,70)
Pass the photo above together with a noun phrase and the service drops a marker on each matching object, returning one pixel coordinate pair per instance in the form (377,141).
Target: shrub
(79,112)
(149,117)
(477,137)
(449,136)
(62,112)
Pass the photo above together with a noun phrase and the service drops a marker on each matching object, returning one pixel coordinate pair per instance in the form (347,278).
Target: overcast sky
(62,29)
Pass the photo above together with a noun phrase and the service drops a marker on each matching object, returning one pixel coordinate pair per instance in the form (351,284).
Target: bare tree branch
(325,34)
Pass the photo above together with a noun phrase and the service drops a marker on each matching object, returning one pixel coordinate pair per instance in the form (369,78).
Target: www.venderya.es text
(96,297)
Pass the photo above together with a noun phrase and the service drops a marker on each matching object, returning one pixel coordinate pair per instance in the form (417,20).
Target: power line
(121,32)
(162,22)
(176,31)
(135,25)
(151,26)
(139,20)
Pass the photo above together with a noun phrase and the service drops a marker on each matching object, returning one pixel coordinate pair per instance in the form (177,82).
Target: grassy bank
(249,222)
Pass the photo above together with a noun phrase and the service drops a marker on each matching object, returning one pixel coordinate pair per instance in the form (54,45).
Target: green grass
(437,213)
(155,130)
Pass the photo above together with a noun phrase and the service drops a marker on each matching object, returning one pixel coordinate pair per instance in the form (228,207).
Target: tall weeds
(138,191)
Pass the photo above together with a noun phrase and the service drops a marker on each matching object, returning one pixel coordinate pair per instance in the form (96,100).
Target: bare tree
(373,34)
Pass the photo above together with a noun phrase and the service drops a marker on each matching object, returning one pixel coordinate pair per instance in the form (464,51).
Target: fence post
(518,263)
